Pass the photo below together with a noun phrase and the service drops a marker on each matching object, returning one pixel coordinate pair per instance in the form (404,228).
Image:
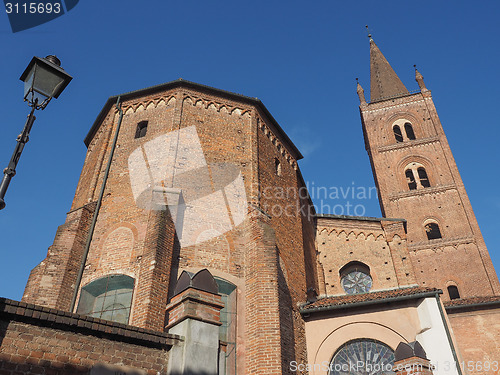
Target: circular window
(356,282)
(364,356)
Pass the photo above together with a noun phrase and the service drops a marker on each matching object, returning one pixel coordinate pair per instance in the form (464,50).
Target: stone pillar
(194,314)
(411,359)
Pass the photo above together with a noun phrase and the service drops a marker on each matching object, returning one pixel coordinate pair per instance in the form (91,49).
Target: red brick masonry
(40,340)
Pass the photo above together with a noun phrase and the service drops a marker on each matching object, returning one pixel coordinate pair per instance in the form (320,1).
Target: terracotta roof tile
(472,301)
(351,299)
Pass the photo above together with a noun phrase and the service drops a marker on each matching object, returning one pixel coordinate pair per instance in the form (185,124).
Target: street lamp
(43,79)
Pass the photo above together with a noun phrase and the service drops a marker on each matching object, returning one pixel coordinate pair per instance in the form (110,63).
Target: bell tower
(418,180)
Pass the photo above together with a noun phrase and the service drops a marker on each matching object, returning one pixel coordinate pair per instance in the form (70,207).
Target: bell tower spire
(417,179)
(384,82)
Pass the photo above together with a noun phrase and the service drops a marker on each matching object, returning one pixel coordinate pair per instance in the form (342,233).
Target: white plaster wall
(433,338)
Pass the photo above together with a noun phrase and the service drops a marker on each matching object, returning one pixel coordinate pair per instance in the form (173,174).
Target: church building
(192,246)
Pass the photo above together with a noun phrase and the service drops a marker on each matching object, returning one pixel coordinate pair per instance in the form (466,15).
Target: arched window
(355,278)
(422,176)
(409,131)
(432,231)
(453,292)
(109,298)
(410,179)
(397,133)
(227,331)
(366,355)
(142,128)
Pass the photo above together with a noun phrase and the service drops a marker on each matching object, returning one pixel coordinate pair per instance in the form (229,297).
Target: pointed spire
(361,93)
(384,82)
(420,80)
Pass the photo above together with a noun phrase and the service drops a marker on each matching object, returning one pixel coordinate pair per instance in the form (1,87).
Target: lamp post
(43,79)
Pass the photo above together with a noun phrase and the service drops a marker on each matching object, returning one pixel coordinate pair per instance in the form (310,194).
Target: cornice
(420,192)
(395,103)
(408,144)
(440,243)
(266,129)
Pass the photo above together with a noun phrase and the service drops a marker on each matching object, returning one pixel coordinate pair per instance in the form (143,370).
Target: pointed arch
(150,105)
(171,100)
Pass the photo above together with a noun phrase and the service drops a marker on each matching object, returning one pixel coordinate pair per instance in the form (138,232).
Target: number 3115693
(32,8)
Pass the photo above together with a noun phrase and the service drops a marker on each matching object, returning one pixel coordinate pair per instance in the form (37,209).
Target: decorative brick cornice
(266,129)
(145,103)
(420,192)
(408,144)
(399,102)
(67,321)
(440,243)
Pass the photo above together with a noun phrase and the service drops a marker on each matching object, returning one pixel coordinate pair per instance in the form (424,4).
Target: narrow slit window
(432,231)
(422,176)
(453,292)
(410,179)
(409,131)
(142,129)
(277,167)
(397,133)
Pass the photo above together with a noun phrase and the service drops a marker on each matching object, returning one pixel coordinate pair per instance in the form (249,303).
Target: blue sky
(301,59)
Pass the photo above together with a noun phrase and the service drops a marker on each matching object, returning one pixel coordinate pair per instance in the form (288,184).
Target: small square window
(141,130)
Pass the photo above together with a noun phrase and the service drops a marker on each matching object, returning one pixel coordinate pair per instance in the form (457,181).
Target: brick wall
(378,243)
(39,340)
(477,334)
(236,134)
(437,262)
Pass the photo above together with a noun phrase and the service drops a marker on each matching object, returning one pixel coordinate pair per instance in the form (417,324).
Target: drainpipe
(98,206)
(448,335)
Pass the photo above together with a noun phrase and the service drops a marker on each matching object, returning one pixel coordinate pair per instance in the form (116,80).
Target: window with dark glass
(422,176)
(362,356)
(410,179)
(141,130)
(107,298)
(227,331)
(397,133)
(432,231)
(355,278)
(453,292)
(409,131)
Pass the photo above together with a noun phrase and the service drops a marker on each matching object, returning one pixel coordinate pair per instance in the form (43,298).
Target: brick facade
(258,230)
(460,257)
(476,326)
(39,340)
(268,253)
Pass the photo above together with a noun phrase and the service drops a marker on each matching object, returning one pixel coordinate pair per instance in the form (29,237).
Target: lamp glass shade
(43,80)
